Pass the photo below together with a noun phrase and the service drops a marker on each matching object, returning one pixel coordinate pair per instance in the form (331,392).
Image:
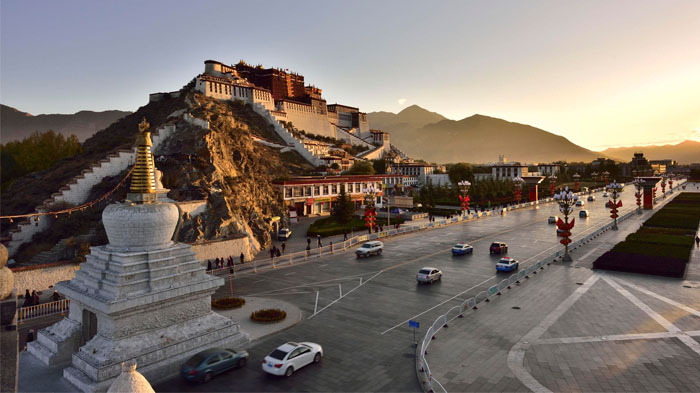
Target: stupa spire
(143,179)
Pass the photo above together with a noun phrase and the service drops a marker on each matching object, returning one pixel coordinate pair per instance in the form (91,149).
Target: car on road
(507,264)
(204,365)
(605,195)
(607,204)
(498,248)
(580,203)
(591,198)
(428,275)
(583,214)
(284,234)
(290,357)
(462,248)
(552,220)
(370,248)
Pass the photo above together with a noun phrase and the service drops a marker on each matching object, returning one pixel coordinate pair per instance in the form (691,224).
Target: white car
(552,220)
(507,264)
(462,248)
(284,234)
(290,357)
(605,195)
(428,275)
(591,198)
(580,203)
(370,248)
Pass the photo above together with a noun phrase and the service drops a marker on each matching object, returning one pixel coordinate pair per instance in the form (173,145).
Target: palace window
(317,190)
(287,192)
(334,188)
(325,190)
(307,191)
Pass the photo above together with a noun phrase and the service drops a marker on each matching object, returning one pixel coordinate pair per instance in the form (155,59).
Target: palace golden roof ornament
(143,179)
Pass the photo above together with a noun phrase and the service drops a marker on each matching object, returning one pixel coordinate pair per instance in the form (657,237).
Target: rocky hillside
(17,125)
(221,165)
(476,139)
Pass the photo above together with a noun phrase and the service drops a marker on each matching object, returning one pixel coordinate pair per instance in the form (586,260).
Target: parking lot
(358,309)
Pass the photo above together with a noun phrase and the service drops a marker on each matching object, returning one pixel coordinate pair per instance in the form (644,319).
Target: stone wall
(41,277)
(303,117)
(223,249)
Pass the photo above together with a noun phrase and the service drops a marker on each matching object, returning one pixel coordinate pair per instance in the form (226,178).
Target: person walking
(208,264)
(55,297)
(697,241)
(318,238)
(242,258)
(308,250)
(30,335)
(272,252)
(331,244)
(35,298)
(284,245)
(308,241)
(345,236)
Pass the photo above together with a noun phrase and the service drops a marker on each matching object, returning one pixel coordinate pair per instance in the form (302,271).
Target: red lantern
(639,198)
(551,189)
(565,230)
(464,202)
(613,208)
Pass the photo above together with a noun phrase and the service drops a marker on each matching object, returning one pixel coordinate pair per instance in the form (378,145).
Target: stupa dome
(7,280)
(139,227)
(130,381)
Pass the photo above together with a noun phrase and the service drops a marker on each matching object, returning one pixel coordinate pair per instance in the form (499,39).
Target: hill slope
(685,152)
(411,117)
(17,125)
(477,139)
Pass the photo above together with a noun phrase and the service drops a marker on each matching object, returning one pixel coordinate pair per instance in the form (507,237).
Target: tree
(379,166)
(361,168)
(343,208)
(335,166)
(460,171)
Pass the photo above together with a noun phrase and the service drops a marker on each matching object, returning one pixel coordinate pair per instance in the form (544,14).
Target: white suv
(370,248)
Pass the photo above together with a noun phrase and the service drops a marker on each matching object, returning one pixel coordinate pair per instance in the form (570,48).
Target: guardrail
(41,310)
(472,303)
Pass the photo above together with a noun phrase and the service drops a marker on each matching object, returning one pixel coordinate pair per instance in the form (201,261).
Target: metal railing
(495,290)
(41,310)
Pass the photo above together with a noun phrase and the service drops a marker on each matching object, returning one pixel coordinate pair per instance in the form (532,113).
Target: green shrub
(228,303)
(329,226)
(268,315)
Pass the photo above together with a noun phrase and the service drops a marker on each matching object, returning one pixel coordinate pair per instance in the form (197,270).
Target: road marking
(290,273)
(662,298)
(347,293)
(325,264)
(316,304)
(437,305)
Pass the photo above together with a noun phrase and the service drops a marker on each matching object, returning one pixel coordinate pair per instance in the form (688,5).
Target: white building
(548,169)
(509,171)
(421,171)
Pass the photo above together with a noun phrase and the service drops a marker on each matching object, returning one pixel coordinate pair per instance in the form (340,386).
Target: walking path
(574,329)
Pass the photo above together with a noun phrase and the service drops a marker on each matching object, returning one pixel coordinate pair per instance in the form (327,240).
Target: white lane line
(662,298)
(516,356)
(613,337)
(340,289)
(325,264)
(438,305)
(315,283)
(290,273)
(347,293)
(316,304)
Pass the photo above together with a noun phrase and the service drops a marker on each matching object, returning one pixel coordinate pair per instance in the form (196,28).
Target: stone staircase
(76,191)
(350,137)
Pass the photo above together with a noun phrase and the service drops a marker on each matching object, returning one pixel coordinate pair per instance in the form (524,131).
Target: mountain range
(477,139)
(685,152)
(17,125)
(480,139)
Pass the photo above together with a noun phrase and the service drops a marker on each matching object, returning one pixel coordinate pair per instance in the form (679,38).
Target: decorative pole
(464,198)
(370,211)
(663,185)
(552,180)
(518,181)
(576,178)
(670,182)
(614,188)
(639,186)
(566,200)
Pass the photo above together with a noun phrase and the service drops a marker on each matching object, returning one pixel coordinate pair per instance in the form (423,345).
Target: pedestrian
(30,335)
(277,252)
(318,238)
(242,258)
(284,245)
(27,300)
(55,297)
(697,241)
(216,263)
(308,241)
(345,236)
(308,249)
(208,264)
(272,252)
(35,298)
(331,244)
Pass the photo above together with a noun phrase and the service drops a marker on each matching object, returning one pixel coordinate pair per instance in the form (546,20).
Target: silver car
(428,275)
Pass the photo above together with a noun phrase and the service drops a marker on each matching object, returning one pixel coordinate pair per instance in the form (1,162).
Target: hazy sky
(601,73)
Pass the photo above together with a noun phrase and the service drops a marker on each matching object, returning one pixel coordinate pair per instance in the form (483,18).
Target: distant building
(502,159)
(509,171)
(548,169)
(438,179)
(482,176)
(662,166)
(421,171)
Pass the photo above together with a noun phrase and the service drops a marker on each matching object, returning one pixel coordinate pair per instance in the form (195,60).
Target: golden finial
(144,126)
(143,179)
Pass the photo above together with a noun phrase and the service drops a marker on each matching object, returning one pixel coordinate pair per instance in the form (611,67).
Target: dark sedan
(204,365)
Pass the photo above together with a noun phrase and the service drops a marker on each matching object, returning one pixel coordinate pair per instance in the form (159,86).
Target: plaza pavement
(575,329)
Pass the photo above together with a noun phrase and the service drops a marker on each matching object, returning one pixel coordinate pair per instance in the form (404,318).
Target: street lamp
(639,186)
(566,200)
(576,178)
(370,211)
(670,182)
(552,180)
(518,181)
(614,188)
(464,198)
(663,185)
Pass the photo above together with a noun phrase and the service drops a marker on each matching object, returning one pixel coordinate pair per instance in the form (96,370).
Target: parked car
(583,214)
(552,220)
(580,203)
(204,365)
(284,234)
(591,198)
(428,275)
(498,248)
(370,248)
(507,264)
(462,248)
(290,357)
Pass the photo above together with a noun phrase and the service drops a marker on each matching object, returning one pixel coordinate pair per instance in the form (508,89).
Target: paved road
(367,343)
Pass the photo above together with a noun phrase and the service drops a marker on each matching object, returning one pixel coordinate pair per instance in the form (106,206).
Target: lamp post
(518,181)
(552,180)
(566,200)
(639,186)
(464,198)
(576,178)
(670,182)
(614,188)
(370,211)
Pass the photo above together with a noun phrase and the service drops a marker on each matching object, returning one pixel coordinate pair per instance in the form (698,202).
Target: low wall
(223,249)
(41,277)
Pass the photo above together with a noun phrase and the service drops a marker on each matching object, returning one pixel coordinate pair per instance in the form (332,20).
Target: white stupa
(130,381)
(142,298)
